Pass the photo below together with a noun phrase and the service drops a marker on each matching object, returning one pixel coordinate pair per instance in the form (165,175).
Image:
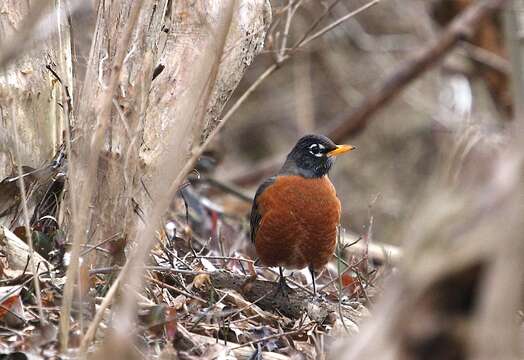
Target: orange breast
(299,222)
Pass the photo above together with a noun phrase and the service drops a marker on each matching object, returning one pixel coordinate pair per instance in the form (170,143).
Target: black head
(313,156)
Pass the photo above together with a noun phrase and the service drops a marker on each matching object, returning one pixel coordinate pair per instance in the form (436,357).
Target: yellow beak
(341,149)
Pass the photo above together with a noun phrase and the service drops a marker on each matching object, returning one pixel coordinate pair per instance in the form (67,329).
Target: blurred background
(332,75)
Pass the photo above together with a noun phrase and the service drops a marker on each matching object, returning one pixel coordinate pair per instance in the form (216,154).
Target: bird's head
(313,156)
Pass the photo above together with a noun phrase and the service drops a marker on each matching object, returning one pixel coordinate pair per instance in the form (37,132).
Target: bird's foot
(282,287)
(320,296)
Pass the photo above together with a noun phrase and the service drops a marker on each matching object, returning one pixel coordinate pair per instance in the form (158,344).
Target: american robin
(295,214)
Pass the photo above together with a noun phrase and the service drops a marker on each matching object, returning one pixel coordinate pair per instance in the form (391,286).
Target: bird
(296,213)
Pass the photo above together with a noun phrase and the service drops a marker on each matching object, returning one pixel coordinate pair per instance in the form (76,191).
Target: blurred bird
(296,213)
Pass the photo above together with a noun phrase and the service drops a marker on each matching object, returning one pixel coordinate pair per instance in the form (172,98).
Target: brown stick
(463,26)
(90,168)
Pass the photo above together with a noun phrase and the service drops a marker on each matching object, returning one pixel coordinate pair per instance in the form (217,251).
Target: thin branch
(97,141)
(111,269)
(270,70)
(315,24)
(181,292)
(220,258)
(513,25)
(488,58)
(275,336)
(340,282)
(297,284)
(133,275)
(338,22)
(108,299)
(289,16)
(28,233)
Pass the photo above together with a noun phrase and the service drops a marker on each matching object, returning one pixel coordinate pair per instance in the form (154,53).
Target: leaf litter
(205,296)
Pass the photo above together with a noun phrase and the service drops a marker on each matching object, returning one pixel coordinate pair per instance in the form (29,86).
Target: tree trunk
(29,94)
(151,132)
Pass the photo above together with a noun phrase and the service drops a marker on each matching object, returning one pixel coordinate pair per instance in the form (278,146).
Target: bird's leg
(312,272)
(282,285)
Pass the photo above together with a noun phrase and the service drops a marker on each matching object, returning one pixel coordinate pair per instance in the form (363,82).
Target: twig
(486,57)
(220,258)
(90,248)
(513,32)
(16,288)
(245,319)
(251,304)
(108,299)
(109,270)
(289,16)
(98,246)
(339,21)
(363,286)
(332,281)
(307,290)
(240,353)
(316,23)
(340,283)
(181,292)
(298,302)
(28,233)
(270,70)
(275,336)
(97,141)
(134,276)
(6,309)
(228,188)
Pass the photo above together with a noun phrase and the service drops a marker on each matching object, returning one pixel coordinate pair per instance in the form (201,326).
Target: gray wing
(256,216)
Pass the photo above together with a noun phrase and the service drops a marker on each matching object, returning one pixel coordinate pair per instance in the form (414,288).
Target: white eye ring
(316,150)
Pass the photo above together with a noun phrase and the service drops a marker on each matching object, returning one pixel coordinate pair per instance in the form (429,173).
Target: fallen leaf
(171,323)
(201,281)
(11,307)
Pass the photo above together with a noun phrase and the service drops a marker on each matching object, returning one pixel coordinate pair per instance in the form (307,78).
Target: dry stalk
(97,141)
(108,299)
(514,23)
(239,352)
(337,23)
(181,292)
(28,233)
(317,22)
(133,275)
(146,237)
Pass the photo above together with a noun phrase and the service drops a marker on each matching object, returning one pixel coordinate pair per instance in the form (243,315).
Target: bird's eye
(317,150)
